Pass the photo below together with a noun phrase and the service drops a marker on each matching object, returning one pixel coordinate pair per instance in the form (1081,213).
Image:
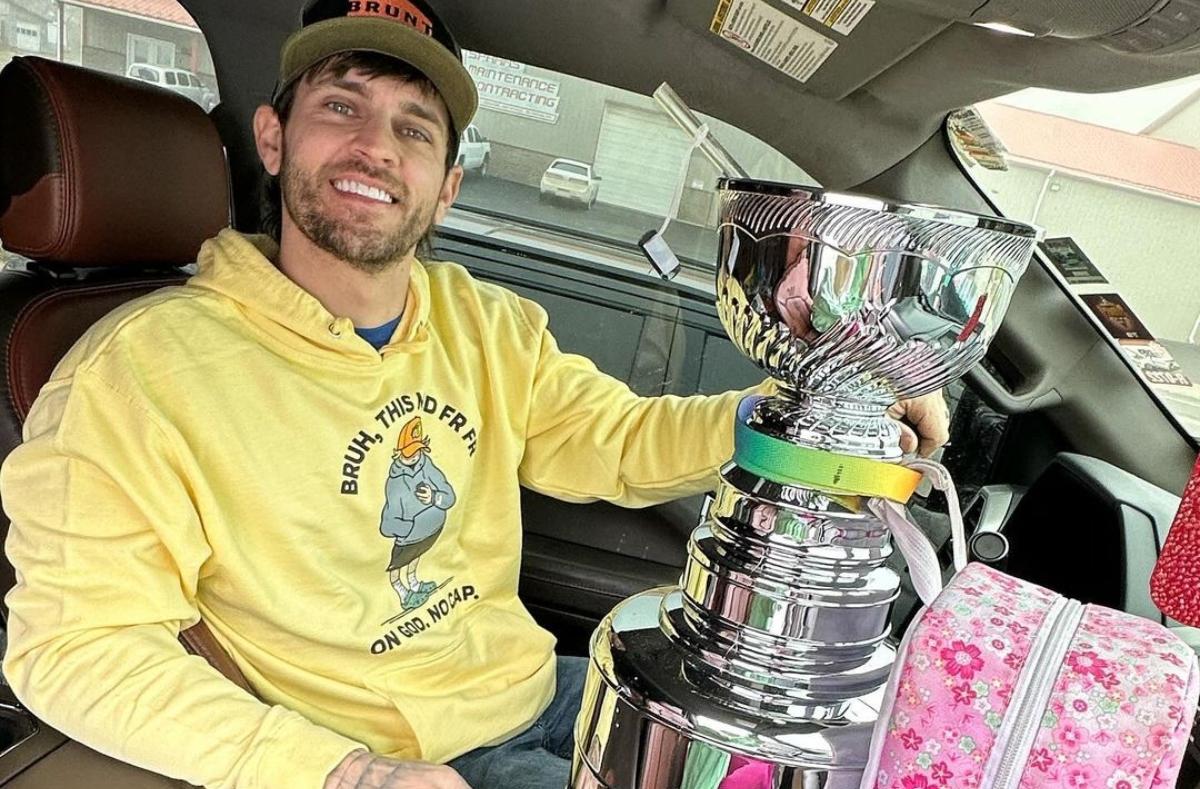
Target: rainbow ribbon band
(788,464)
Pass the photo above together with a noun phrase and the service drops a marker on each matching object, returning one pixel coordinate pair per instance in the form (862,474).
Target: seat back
(108,187)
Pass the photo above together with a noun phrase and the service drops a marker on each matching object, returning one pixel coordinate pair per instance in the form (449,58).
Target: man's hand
(924,423)
(424,493)
(363,770)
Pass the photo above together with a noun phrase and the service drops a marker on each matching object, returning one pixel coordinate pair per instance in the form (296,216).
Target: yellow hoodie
(228,449)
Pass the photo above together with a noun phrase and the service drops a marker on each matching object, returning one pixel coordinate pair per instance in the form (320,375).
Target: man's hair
(372,65)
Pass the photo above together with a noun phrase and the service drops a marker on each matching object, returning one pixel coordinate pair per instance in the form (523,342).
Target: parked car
(185,83)
(1056,437)
(570,180)
(474,151)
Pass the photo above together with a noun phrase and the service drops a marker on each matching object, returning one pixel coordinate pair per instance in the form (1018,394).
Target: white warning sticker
(772,36)
(842,15)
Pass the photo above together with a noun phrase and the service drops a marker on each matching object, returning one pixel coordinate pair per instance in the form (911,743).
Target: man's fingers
(932,423)
(929,416)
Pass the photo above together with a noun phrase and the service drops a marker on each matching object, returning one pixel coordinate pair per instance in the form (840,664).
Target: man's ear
(449,192)
(268,138)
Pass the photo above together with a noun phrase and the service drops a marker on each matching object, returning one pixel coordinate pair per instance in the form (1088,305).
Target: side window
(170,77)
(1112,179)
(112,36)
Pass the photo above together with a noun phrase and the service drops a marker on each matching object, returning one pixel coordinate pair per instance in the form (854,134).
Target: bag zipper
(1032,695)
(888,703)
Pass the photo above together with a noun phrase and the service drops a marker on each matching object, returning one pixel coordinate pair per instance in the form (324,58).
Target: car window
(532,116)
(570,168)
(110,36)
(1115,181)
(574,250)
(119,35)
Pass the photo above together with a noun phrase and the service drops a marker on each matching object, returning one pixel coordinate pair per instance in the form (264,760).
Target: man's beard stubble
(367,249)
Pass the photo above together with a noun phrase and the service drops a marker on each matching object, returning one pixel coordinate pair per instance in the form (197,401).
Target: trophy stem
(841,424)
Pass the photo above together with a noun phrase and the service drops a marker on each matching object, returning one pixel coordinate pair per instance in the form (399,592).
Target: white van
(178,80)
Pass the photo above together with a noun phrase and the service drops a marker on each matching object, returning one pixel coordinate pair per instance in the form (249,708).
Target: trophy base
(653,718)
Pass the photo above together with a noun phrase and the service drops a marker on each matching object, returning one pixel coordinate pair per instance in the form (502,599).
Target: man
(160,481)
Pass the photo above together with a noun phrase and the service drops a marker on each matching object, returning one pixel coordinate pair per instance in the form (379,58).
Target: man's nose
(375,142)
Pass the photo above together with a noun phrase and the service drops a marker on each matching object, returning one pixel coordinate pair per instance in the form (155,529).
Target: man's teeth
(354,187)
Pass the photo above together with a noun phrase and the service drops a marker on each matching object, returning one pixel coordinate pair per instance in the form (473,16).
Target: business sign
(509,87)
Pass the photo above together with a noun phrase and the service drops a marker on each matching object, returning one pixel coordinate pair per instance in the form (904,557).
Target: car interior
(108,186)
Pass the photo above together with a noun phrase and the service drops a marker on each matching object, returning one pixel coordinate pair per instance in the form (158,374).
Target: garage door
(638,156)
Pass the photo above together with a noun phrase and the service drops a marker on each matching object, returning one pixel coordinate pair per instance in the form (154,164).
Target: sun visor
(1141,26)
(1138,26)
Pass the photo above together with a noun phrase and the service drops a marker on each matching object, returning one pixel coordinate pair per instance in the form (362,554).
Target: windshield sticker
(1116,316)
(974,140)
(772,36)
(1155,363)
(1075,266)
(1150,358)
(841,15)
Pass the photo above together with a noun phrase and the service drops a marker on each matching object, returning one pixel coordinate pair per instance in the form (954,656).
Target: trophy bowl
(852,303)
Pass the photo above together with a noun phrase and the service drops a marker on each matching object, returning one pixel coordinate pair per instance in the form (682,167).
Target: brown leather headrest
(98,170)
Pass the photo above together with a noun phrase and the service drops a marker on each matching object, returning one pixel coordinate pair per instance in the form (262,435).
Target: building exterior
(28,27)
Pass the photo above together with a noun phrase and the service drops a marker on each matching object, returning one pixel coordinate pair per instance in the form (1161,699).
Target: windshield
(1115,181)
(645,167)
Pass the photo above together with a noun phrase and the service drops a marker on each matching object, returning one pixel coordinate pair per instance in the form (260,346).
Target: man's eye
(339,107)
(416,133)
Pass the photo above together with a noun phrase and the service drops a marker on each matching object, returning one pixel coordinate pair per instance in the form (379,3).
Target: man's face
(362,166)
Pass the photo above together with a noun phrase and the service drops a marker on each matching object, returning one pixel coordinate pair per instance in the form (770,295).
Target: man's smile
(350,186)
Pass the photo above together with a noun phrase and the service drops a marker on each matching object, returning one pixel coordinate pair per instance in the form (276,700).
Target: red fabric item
(748,774)
(1175,583)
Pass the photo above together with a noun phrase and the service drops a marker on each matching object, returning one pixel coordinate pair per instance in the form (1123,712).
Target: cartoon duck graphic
(417,497)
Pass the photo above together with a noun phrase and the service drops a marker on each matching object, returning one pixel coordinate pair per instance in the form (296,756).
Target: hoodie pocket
(482,688)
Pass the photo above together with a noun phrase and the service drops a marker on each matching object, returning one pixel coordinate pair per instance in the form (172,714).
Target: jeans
(540,756)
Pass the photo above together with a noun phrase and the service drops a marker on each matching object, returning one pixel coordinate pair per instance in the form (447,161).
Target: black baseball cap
(407,30)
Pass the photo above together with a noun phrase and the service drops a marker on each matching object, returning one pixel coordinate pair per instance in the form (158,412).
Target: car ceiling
(882,93)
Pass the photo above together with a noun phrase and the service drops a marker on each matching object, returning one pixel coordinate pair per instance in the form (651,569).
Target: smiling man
(274,445)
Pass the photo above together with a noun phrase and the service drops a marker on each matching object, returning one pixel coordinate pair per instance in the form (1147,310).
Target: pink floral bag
(1001,684)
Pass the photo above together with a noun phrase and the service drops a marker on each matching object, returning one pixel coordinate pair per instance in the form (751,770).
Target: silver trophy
(765,667)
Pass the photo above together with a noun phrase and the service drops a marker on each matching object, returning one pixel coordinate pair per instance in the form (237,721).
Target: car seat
(108,187)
